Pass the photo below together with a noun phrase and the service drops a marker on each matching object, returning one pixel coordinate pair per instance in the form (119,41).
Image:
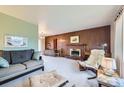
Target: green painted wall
(12,26)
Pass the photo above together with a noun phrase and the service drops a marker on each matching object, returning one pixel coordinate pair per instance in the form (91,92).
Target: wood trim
(78,44)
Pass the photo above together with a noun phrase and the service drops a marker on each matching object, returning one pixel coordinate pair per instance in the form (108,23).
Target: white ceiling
(61,19)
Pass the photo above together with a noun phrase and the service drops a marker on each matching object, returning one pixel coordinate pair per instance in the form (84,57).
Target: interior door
(55,44)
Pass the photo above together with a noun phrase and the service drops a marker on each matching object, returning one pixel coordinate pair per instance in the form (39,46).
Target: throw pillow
(3,62)
(36,55)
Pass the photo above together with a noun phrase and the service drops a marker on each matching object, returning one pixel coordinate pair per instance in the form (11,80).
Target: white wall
(41,44)
(41,41)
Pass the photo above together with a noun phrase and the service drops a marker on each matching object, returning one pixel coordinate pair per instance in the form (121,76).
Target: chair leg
(93,76)
(42,68)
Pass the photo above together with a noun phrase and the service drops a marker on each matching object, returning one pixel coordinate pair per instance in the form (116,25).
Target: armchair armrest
(82,63)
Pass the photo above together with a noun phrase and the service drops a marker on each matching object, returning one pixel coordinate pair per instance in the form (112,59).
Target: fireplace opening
(75,52)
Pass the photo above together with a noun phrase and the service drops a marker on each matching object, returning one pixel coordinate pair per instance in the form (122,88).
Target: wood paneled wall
(93,37)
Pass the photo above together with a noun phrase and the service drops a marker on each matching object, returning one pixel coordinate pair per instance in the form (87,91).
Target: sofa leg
(100,85)
(92,77)
(43,68)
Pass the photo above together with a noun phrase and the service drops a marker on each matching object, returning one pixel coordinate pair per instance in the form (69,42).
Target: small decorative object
(104,46)
(74,39)
(15,41)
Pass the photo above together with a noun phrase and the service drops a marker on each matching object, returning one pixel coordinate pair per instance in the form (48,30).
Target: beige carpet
(70,70)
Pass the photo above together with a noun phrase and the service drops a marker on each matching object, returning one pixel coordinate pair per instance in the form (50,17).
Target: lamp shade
(109,63)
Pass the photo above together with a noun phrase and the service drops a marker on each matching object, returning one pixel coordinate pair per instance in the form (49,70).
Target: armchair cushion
(84,64)
(95,58)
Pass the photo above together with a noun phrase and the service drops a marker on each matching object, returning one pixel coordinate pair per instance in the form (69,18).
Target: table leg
(100,85)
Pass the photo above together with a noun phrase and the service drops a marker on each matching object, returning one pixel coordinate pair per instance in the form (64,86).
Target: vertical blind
(119,43)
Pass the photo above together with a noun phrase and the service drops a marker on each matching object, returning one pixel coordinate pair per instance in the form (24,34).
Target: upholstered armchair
(93,62)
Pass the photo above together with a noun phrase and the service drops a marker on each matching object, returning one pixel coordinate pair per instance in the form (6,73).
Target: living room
(45,46)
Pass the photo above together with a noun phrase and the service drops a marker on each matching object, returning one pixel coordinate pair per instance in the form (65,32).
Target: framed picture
(74,39)
(16,41)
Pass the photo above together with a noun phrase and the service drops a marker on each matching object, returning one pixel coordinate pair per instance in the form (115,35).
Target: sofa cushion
(11,70)
(3,62)
(5,55)
(33,63)
(21,56)
(29,54)
(36,56)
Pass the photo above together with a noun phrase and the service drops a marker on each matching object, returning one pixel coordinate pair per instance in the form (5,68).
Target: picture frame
(16,41)
(74,39)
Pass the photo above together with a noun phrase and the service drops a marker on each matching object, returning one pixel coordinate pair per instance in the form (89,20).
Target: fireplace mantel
(76,44)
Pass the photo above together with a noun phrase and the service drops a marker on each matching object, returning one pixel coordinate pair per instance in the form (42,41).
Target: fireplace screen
(75,52)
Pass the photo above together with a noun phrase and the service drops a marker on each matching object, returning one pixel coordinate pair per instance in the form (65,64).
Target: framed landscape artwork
(74,39)
(16,41)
